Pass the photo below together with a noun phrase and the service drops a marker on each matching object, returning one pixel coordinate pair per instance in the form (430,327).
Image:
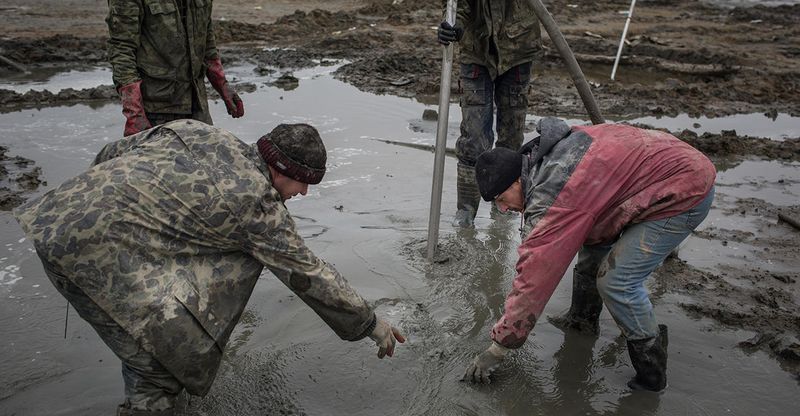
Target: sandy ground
(684,57)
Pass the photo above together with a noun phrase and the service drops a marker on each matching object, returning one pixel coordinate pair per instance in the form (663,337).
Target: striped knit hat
(295,150)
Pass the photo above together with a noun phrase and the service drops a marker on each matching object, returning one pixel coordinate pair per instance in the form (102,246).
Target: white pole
(441,137)
(622,41)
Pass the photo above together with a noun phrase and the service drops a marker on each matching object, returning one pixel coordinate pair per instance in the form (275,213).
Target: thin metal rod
(569,58)
(66,320)
(622,41)
(441,137)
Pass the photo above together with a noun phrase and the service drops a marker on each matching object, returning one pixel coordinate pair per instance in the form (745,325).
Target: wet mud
(18,177)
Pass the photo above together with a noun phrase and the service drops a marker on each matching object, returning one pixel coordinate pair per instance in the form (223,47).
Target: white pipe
(622,41)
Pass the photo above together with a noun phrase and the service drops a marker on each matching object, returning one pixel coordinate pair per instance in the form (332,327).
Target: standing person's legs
(477,136)
(511,97)
(149,388)
(586,305)
(638,252)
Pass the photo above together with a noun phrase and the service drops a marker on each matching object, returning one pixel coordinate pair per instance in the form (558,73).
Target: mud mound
(33,98)
(18,176)
(395,72)
(729,144)
(314,23)
(784,15)
(58,48)
(233,31)
(394,7)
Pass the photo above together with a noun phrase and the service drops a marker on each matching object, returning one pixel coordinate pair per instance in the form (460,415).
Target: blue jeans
(509,92)
(629,261)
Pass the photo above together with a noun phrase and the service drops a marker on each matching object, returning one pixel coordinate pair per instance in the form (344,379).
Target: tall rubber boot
(468,196)
(649,358)
(584,312)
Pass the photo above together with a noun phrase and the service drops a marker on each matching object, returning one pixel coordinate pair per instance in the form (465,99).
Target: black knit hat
(295,150)
(496,170)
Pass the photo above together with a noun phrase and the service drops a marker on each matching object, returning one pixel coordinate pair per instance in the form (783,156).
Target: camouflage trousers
(198,114)
(508,92)
(149,388)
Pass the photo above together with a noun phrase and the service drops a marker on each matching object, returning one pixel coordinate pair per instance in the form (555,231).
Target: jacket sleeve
(273,240)
(543,258)
(124,29)
(211,40)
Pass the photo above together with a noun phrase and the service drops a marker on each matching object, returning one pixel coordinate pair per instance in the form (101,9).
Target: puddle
(371,207)
(56,79)
(781,127)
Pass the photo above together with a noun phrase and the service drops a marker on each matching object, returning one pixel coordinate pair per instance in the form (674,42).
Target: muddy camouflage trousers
(480,94)
(148,385)
(199,113)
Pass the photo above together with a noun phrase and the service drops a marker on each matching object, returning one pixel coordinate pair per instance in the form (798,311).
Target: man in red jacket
(620,197)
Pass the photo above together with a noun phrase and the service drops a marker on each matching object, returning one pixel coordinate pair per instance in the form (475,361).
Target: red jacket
(583,186)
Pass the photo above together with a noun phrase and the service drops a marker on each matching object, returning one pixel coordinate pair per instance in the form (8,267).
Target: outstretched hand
(386,337)
(485,363)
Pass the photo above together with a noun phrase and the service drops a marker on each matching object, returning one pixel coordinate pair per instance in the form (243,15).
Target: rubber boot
(468,196)
(584,312)
(649,358)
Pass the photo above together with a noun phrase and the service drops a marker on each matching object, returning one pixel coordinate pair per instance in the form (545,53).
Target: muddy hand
(485,363)
(386,337)
(216,77)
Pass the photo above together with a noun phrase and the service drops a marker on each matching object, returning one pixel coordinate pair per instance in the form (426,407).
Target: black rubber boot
(649,358)
(584,312)
(468,196)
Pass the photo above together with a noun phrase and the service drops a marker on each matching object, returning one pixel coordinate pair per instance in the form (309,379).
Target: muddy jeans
(629,261)
(148,385)
(509,92)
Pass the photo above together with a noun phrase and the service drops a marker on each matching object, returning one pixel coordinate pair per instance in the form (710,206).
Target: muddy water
(369,218)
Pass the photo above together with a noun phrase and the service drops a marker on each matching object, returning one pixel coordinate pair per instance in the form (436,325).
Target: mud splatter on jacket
(583,186)
(498,34)
(151,41)
(168,233)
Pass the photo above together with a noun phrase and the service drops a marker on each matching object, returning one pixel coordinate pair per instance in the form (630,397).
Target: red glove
(133,108)
(217,79)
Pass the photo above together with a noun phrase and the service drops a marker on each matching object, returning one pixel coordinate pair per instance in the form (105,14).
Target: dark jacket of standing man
(498,41)
(160,51)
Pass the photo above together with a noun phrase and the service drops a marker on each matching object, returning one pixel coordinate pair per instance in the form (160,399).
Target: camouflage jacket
(168,233)
(498,34)
(151,40)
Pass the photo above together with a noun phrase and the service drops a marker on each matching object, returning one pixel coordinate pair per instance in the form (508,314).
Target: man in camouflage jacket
(498,41)
(160,243)
(160,50)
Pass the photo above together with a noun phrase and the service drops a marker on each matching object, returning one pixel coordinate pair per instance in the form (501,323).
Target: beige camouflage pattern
(150,41)
(168,233)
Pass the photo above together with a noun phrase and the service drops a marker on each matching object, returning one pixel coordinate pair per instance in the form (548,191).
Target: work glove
(448,33)
(485,363)
(133,108)
(216,77)
(385,337)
